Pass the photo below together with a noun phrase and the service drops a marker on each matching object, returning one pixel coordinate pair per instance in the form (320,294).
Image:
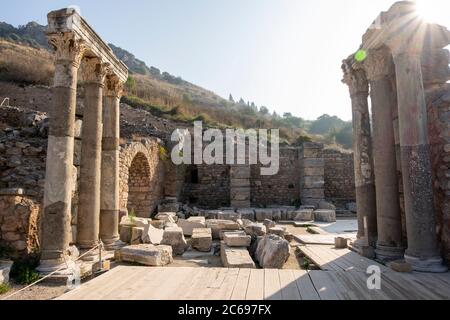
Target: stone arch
(141,177)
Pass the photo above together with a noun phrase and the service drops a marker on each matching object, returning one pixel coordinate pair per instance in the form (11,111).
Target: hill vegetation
(26,58)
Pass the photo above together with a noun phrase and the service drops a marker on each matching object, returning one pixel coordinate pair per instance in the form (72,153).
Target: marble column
(59,183)
(380,71)
(109,199)
(356,79)
(88,226)
(422,252)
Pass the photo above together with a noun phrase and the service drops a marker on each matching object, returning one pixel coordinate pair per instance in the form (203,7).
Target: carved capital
(379,64)
(94,71)
(68,48)
(355,77)
(113,87)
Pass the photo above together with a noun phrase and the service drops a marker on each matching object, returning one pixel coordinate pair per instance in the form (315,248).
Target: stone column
(89,195)
(59,182)
(362,148)
(109,199)
(380,72)
(422,252)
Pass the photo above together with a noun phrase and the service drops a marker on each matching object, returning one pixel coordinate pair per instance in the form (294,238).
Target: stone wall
(141,177)
(19,222)
(311,174)
(339,177)
(282,188)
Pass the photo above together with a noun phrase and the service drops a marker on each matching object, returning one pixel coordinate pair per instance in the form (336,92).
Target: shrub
(4,288)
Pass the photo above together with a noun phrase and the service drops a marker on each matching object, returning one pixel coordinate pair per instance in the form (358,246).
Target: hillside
(26,58)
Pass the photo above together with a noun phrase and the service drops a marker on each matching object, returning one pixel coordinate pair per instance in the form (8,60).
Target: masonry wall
(339,177)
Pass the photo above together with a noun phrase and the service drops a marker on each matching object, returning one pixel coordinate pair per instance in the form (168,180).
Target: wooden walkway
(146,283)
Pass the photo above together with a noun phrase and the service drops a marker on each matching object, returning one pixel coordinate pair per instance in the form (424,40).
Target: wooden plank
(289,289)
(213,282)
(321,261)
(173,283)
(197,284)
(255,290)
(272,288)
(327,286)
(125,291)
(152,286)
(226,289)
(240,289)
(305,286)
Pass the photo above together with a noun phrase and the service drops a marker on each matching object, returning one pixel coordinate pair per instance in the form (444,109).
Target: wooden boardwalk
(146,283)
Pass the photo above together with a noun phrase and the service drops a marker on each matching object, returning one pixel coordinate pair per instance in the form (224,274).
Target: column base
(60,271)
(115,245)
(367,251)
(432,265)
(388,253)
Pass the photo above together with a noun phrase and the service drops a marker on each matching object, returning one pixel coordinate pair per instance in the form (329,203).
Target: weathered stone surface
(146,254)
(228,215)
(272,252)
(173,236)
(304,215)
(167,216)
(248,214)
(125,233)
(326,205)
(279,231)
(236,239)
(351,206)
(190,224)
(325,215)
(221,225)
(169,207)
(5,268)
(262,214)
(209,214)
(152,235)
(235,257)
(400,266)
(136,235)
(255,229)
(340,243)
(158,224)
(269,224)
(276,214)
(201,239)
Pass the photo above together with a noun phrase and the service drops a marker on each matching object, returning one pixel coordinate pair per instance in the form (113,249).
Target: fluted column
(380,72)
(59,182)
(109,213)
(422,252)
(356,79)
(88,226)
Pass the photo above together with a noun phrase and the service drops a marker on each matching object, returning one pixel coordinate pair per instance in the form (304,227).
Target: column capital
(114,87)
(94,70)
(355,77)
(68,48)
(379,64)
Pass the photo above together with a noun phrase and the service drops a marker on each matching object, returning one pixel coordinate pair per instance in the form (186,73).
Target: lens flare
(434,11)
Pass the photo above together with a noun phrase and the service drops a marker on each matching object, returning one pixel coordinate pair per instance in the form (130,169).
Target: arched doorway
(139,197)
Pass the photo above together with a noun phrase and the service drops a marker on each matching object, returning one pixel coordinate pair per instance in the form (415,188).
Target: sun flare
(434,11)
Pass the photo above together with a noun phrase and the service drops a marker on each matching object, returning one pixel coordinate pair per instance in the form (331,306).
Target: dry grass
(25,64)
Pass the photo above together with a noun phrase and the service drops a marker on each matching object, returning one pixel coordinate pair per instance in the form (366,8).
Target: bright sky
(284,54)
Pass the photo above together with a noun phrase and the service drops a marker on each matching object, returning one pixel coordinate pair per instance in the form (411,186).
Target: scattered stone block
(325,215)
(152,235)
(221,225)
(272,252)
(141,222)
(136,235)
(248,214)
(269,224)
(174,237)
(125,233)
(169,207)
(263,214)
(158,224)
(190,224)
(146,254)
(236,239)
(304,215)
(201,239)
(325,205)
(289,236)
(276,214)
(228,215)
(235,257)
(255,229)
(340,243)
(5,269)
(400,266)
(167,217)
(210,214)
(279,231)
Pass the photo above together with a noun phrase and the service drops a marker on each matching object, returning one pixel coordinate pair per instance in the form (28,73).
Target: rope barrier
(5,100)
(100,245)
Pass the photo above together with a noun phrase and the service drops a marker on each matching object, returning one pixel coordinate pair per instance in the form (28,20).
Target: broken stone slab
(146,254)
(167,217)
(269,224)
(228,215)
(125,233)
(210,214)
(255,229)
(136,235)
(174,237)
(236,239)
(201,239)
(217,226)
(272,252)
(158,224)
(248,214)
(279,231)
(152,235)
(190,224)
(304,215)
(5,269)
(325,215)
(235,257)
(325,205)
(262,214)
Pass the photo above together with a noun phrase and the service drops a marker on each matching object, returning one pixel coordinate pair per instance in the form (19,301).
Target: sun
(434,11)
